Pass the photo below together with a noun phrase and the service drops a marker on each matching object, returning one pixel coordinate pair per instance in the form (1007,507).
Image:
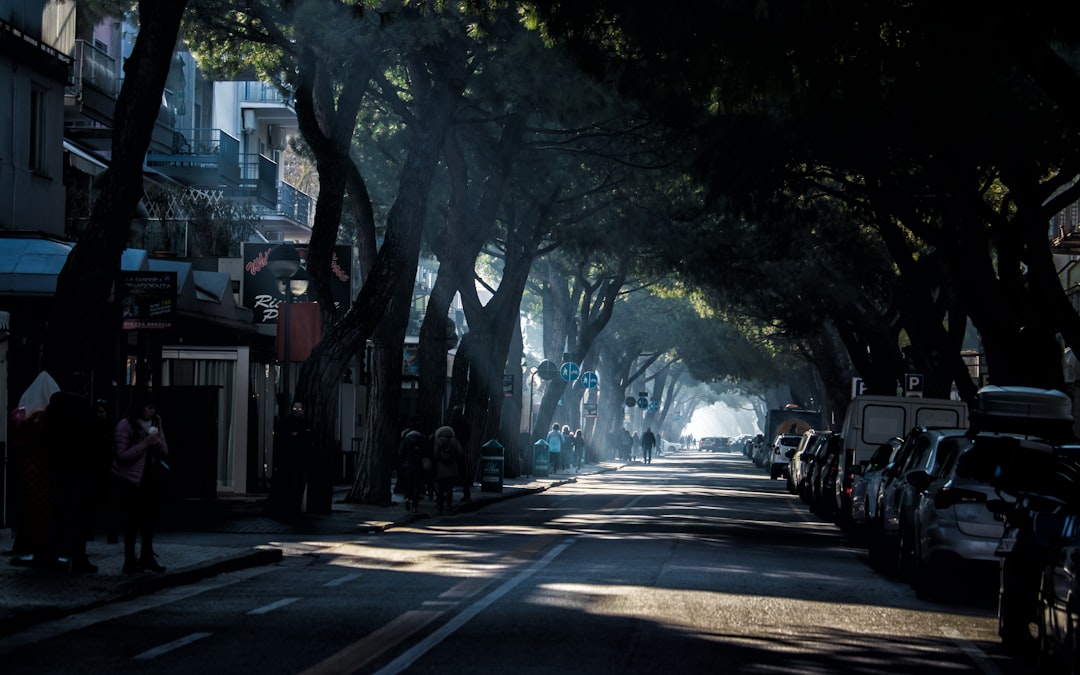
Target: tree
(75,331)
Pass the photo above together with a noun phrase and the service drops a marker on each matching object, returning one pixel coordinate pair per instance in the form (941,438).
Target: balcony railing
(261,92)
(95,67)
(195,150)
(295,204)
(259,173)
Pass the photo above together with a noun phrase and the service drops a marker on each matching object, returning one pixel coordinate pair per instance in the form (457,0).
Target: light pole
(532,387)
(284,263)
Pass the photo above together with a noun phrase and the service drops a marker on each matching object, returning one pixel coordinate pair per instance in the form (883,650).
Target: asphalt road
(696,563)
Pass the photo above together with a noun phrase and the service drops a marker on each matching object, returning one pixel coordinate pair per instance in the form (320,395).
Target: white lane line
(972,652)
(274,605)
(341,580)
(446,630)
(52,629)
(175,644)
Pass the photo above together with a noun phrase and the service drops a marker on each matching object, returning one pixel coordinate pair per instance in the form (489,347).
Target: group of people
(566,449)
(434,464)
(628,446)
(78,468)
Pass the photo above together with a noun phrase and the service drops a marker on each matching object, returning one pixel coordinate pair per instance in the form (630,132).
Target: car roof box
(1027,410)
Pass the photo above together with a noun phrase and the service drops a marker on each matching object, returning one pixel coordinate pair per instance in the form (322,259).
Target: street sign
(589,379)
(570,371)
(643,403)
(590,410)
(654,407)
(508,385)
(913,385)
(858,386)
(547,370)
(630,402)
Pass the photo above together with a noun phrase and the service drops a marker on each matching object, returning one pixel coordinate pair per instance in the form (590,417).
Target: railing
(294,203)
(93,66)
(203,149)
(259,173)
(261,92)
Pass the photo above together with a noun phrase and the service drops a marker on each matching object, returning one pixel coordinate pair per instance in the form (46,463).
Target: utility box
(491,466)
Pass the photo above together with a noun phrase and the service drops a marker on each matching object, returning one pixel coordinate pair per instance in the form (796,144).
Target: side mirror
(919,480)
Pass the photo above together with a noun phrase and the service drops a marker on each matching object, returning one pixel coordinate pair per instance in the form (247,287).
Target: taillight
(950,496)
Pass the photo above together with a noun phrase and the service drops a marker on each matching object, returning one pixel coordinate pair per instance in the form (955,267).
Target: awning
(83,160)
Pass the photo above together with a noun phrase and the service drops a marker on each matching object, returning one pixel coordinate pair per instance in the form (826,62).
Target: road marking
(360,653)
(449,628)
(341,580)
(274,605)
(175,644)
(974,653)
(52,629)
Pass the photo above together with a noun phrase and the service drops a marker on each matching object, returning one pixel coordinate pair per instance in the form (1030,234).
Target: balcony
(258,173)
(200,158)
(295,204)
(261,92)
(94,86)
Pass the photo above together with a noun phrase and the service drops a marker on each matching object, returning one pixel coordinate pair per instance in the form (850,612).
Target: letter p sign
(913,385)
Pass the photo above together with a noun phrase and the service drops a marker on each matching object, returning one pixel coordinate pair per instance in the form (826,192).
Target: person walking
(568,448)
(410,466)
(447,455)
(463,433)
(648,441)
(555,445)
(635,443)
(579,448)
(141,450)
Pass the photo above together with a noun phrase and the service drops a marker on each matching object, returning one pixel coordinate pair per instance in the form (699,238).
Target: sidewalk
(200,541)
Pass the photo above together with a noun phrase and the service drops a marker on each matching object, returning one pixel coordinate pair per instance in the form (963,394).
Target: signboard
(147,300)
(630,402)
(654,407)
(858,387)
(589,379)
(547,370)
(913,385)
(410,361)
(643,403)
(261,292)
(570,371)
(508,385)
(590,410)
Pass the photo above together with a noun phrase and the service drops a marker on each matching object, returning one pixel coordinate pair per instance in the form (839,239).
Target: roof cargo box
(1025,410)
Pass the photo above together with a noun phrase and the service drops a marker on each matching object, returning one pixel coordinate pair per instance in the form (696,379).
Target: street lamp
(283,262)
(532,387)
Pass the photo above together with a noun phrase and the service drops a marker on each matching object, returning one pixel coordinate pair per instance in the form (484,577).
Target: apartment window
(37,135)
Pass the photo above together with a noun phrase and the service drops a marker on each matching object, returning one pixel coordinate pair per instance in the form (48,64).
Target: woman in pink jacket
(140,458)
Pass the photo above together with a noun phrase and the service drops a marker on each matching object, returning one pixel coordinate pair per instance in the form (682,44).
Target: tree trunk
(83,286)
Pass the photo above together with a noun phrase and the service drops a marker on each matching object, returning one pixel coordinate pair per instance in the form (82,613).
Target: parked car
(797,465)
(823,479)
(866,486)
(951,531)
(917,454)
(778,464)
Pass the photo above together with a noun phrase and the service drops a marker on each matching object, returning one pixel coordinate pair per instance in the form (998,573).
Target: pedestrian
(568,448)
(295,449)
(555,443)
(463,433)
(579,448)
(141,450)
(69,432)
(627,445)
(648,440)
(410,460)
(635,443)
(447,455)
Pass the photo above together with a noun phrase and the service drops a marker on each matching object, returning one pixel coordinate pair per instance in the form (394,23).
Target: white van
(871,421)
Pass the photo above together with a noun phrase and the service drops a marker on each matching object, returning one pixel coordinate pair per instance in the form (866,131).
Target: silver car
(951,530)
(866,488)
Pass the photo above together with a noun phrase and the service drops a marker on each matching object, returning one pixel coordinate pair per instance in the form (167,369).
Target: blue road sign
(654,407)
(643,403)
(570,371)
(589,379)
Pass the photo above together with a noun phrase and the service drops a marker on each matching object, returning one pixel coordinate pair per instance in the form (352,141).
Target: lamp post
(532,387)
(283,262)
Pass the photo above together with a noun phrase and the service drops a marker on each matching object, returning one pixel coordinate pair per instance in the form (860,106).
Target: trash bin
(541,459)
(491,467)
